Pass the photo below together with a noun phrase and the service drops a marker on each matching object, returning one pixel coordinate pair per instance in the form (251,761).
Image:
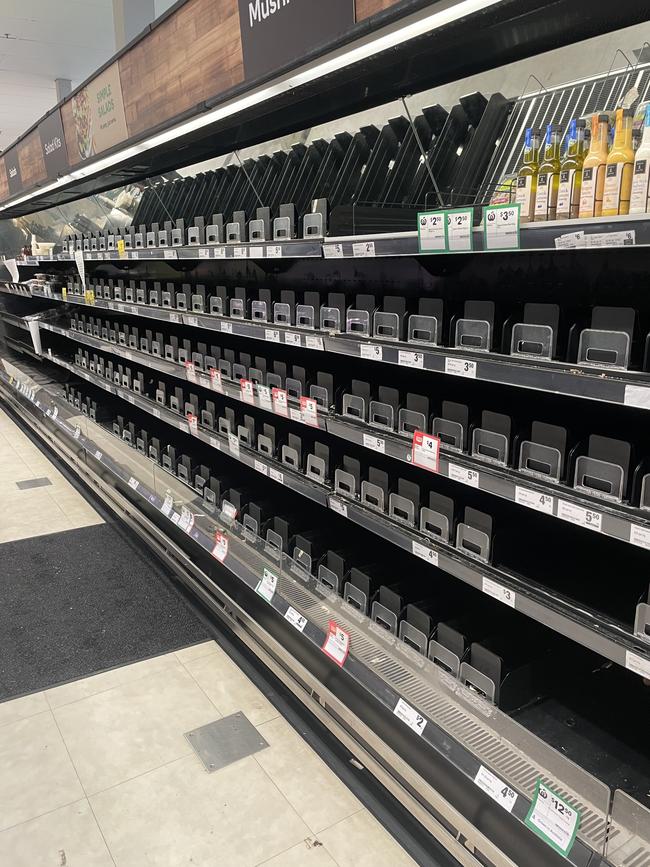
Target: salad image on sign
(83,122)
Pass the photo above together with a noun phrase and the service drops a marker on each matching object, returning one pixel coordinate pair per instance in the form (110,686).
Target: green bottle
(548,177)
(527,177)
(568,196)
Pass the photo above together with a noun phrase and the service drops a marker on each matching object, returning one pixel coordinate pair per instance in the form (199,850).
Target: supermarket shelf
(619,521)
(14,320)
(449,717)
(603,635)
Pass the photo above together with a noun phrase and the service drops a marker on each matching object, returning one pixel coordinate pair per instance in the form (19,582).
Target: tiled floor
(97,773)
(35,511)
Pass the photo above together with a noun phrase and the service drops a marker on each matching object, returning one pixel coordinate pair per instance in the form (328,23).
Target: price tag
(371,351)
(581,517)
(432,232)
(640,536)
(215,444)
(219,252)
(274,251)
(239,252)
(499,592)
(637,664)
(215,380)
(363,249)
(156,413)
(460,367)
(189,320)
(261,468)
(459,230)
(309,411)
(170,254)
(204,252)
(190,371)
(410,359)
(134,255)
(81,265)
(276,475)
(534,500)
(295,619)
(267,585)
(410,716)
(186,520)
(233,444)
(333,251)
(280,402)
(496,788)
(464,476)
(226,327)
(292,339)
(312,342)
(377,444)
(425,553)
(173,317)
(637,395)
(134,483)
(295,414)
(99,455)
(220,550)
(425,451)
(553,819)
(264,397)
(272,334)
(501,227)
(193,423)
(167,505)
(175,518)
(256,253)
(337,644)
(247,394)
(77,433)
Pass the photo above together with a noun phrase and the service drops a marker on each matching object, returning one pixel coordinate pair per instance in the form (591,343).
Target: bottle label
(639,200)
(613,184)
(566,193)
(525,197)
(588,193)
(541,200)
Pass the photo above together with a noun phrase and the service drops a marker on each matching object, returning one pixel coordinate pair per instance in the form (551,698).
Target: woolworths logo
(260,10)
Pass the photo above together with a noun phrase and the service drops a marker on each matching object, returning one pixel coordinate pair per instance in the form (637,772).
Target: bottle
(548,177)
(641,177)
(527,177)
(568,196)
(593,168)
(620,165)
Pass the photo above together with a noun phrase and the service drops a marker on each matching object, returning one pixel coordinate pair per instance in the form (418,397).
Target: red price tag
(426,451)
(280,402)
(220,550)
(337,644)
(309,411)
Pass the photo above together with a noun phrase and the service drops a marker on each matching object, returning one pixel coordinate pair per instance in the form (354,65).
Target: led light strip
(390,37)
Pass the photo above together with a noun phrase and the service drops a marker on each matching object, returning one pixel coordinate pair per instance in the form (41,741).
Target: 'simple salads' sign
(276,32)
(98,112)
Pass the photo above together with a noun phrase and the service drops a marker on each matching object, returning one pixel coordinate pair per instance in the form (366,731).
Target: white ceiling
(48,39)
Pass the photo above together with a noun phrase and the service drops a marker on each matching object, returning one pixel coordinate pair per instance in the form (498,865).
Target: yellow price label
(64,293)
(121,247)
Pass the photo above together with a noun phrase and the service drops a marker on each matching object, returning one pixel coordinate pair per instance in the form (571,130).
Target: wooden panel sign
(94,118)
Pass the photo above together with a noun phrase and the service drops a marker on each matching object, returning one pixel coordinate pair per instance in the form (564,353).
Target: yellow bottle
(620,166)
(593,168)
(568,196)
(548,178)
(527,177)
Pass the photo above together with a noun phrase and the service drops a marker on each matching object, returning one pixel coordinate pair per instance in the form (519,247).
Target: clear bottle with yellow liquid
(593,168)
(640,198)
(548,177)
(620,167)
(527,176)
(568,196)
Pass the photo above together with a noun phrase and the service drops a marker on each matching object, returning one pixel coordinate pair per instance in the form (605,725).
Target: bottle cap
(555,127)
(628,112)
(581,123)
(603,117)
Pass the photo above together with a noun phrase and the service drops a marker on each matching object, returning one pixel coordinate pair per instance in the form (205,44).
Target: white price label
(134,483)
(459,230)
(233,444)
(363,249)
(501,227)
(226,327)
(261,468)
(637,395)
(425,451)
(333,251)
(192,320)
(267,585)
(174,317)
(337,644)
(460,367)
(292,339)
(496,788)
(219,252)
(215,380)
(274,251)
(637,664)
(186,520)
(276,475)
(295,619)
(338,506)
(464,476)
(295,414)
(534,500)
(377,444)
(410,359)
(246,387)
(640,536)
(190,371)
(79,262)
(170,254)
(204,252)
(410,716)
(313,342)
(425,553)
(77,433)
(256,253)
(280,402)
(272,334)
(499,592)
(264,397)
(156,413)
(99,455)
(553,819)
(193,423)
(432,232)
(581,517)
(309,411)
(175,518)
(371,351)
(215,444)
(167,505)
(239,252)
(220,550)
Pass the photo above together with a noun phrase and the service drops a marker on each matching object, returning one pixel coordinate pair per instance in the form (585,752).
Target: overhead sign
(276,32)
(12,166)
(55,152)
(98,113)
